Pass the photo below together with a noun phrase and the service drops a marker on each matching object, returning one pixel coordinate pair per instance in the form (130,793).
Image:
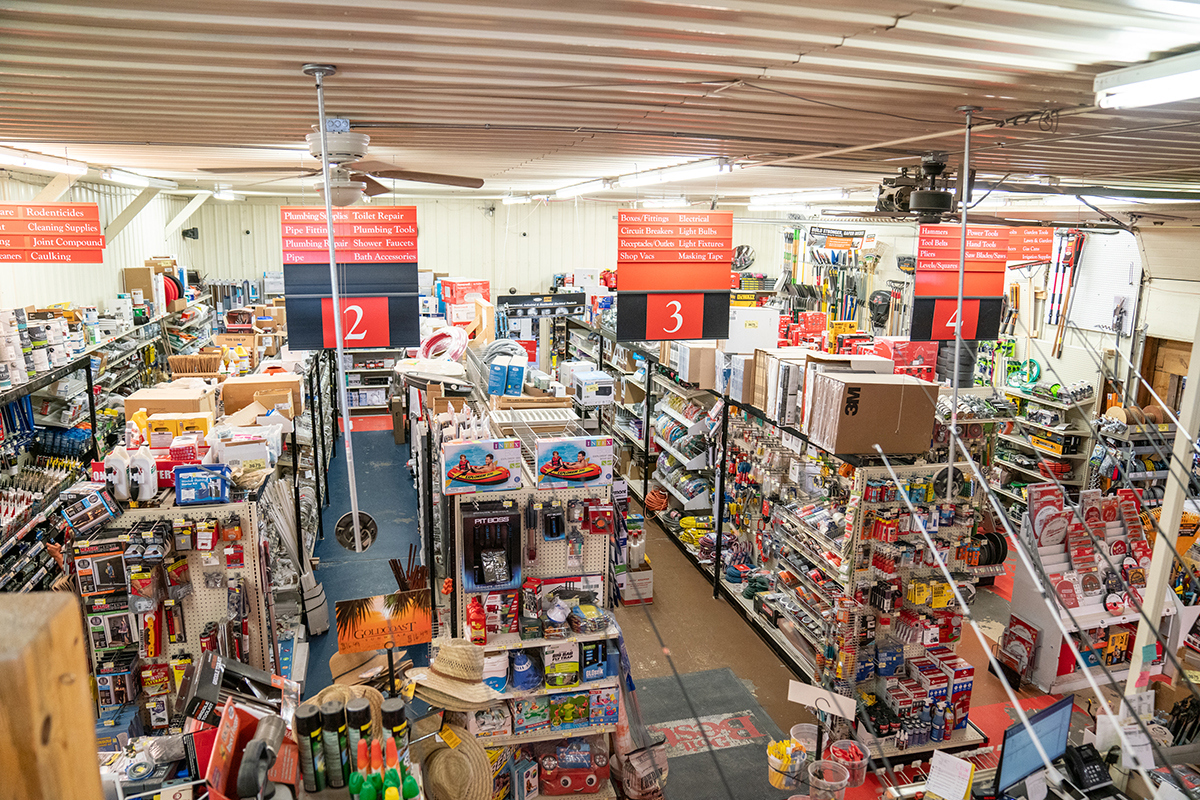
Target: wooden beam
(130,211)
(55,189)
(187,211)
(47,741)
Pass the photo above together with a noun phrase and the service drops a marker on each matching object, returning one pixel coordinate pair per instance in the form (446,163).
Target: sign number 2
(354,334)
(365,322)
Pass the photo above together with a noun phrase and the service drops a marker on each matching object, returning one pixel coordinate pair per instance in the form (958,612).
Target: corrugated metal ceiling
(537,95)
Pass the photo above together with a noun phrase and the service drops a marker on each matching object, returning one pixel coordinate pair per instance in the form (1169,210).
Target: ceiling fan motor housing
(343,147)
(930,201)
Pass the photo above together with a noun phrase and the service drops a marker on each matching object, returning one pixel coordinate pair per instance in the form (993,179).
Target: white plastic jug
(116,472)
(143,474)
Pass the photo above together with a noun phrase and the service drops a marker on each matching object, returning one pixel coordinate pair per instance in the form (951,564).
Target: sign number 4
(364,322)
(674,316)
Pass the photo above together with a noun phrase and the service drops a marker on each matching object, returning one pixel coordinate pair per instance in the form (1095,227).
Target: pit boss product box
(485,465)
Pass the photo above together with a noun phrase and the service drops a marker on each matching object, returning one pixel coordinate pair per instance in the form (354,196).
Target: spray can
(358,722)
(312,751)
(395,724)
(333,736)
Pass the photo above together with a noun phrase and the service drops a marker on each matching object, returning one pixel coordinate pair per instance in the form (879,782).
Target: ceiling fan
(350,172)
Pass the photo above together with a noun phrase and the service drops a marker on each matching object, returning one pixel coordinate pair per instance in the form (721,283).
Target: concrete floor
(686,630)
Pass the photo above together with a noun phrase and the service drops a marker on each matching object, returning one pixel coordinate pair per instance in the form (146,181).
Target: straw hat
(455,678)
(459,773)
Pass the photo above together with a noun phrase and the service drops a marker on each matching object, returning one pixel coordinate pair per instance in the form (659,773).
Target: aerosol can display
(116,472)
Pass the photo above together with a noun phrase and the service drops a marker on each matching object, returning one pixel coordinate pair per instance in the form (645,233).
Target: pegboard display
(209,604)
(552,556)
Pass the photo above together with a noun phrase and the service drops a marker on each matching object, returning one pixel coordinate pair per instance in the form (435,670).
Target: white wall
(86,284)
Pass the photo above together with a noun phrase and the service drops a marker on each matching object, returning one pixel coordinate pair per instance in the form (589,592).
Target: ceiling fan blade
(429,177)
(252,170)
(374,187)
(368,165)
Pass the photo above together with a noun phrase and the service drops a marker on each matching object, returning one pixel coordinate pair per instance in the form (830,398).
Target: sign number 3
(674,316)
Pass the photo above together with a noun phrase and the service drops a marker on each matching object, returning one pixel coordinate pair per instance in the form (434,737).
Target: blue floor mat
(386,492)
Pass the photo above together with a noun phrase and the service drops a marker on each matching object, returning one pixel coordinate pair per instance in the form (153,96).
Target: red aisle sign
(368,235)
(364,322)
(673,274)
(1030,244)
(935,294)
(50,233)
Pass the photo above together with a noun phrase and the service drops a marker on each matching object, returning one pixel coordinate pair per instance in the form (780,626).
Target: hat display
(462,772)
(351,669)
(455,678)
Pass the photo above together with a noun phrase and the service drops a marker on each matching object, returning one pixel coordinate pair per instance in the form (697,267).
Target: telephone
(1086,768)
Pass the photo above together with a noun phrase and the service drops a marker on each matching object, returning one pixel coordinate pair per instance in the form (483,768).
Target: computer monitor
(1019,757)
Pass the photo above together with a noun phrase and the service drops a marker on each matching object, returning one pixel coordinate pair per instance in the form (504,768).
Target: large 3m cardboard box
(172,398)
(238,392)
(854,411)
(819,362)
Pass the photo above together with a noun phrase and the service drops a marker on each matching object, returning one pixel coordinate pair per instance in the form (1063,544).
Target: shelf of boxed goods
(603,683)
(1017,440)
(1029,606)
(1034,473)
(549,734)
(501,642)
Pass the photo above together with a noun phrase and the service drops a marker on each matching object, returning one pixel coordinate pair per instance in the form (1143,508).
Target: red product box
(962,707)
(166,470)
(924,372)
(906,353)
(957,669)
(456,290)
(811,322)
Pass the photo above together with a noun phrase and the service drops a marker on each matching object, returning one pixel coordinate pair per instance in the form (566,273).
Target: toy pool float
(586,472)
(489,478)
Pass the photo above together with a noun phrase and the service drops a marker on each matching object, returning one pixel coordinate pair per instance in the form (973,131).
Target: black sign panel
(307,285)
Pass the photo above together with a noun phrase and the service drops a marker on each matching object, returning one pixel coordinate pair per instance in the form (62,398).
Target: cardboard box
(852,412)
(172,399)
(750,329)
(459,290)
(698,364)
(279,399)
(817,362)
(237,392)
(741,379)
(247,340)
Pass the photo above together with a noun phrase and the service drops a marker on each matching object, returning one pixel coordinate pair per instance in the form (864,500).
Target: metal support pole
(318,434)
(319,71)
(426,479)
(965,182)
(719,466)
(1158,577)
(646,433)
(91,390)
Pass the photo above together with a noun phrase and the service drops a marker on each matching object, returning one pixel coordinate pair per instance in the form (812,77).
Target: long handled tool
(1075,243)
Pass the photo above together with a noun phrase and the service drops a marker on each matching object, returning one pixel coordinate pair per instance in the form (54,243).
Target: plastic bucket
(856,767)
(827,780)
(805,735)
(785,778)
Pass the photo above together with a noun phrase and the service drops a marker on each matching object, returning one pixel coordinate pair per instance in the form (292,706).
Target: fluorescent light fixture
(598,185)
(1167,80)
(125,178)
(516,200)
(796,198)
(40,163)
(227,194)
(665,202)
(682,172)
